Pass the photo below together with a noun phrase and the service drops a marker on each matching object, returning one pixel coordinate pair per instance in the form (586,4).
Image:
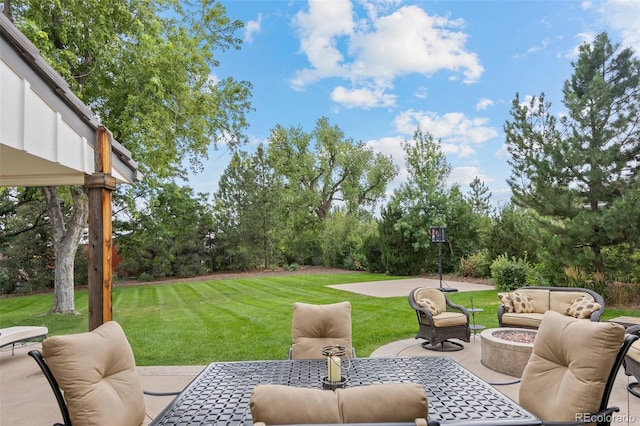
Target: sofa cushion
(390,402)
(449,319)
(522,320)
(521,303)
(538,297)
(97,373)
(505,299)
(583,307)
(280,404)
(569,366)
(559,301)
(429,305)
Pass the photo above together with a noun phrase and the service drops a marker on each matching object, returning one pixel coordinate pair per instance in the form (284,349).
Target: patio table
(220,394)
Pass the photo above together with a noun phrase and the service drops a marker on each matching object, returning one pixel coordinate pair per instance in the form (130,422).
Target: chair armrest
(633,329)
(501,310)
(458,307)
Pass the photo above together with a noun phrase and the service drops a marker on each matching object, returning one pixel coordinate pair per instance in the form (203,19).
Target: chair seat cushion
(97,373)
(449,319)
(522,320)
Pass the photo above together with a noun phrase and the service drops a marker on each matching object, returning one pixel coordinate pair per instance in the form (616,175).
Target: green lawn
(237,319)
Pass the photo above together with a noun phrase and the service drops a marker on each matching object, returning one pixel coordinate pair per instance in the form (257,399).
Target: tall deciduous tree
(324,167)
(424,196)
(145,67)
(575,169)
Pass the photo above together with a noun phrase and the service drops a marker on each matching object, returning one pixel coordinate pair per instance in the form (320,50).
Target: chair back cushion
(97,373)
(569,366)
(315,326)
(283,405)
(433,294)
(389,402)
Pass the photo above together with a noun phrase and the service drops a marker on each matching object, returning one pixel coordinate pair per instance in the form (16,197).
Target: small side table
(475,328)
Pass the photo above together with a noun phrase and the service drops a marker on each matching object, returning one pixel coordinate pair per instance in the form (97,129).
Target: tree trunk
(66,237)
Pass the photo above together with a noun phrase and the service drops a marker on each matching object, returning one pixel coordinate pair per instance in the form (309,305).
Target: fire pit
(507,350)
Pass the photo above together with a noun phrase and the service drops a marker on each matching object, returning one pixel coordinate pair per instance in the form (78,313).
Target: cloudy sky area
(379,69)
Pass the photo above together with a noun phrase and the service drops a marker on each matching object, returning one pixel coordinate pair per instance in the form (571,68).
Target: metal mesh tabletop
(220,394)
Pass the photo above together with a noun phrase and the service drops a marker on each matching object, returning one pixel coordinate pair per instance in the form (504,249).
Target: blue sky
(378,69)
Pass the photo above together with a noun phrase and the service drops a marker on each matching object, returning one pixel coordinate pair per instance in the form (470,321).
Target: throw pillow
(521,303)
(427,303)
(582,307)
(507,302)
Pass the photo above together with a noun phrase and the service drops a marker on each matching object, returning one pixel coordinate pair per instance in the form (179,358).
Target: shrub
(509,274)
(477,265)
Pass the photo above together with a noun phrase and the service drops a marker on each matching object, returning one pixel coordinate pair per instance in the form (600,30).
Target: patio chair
(632,362)
(316,326)
(439,320)
(384,404)
(97,373)
(574,363)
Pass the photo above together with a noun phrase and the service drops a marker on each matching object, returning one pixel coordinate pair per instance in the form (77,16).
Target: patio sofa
(525,307)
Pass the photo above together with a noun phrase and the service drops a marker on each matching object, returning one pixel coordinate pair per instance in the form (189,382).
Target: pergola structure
(48,137)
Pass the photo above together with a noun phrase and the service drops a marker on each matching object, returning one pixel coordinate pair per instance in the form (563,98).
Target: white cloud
(464,175)
(457,132)
(586,37)
(624,17)
(421,93)
(364,98)
(251,28)
(372,52)
(483,104)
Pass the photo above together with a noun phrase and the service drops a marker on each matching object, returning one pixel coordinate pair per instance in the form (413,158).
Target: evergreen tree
(573,170)
(398,251)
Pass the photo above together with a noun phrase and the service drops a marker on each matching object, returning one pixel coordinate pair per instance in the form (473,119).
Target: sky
(380,69)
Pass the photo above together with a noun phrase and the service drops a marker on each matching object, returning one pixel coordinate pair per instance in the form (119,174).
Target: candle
(333,368)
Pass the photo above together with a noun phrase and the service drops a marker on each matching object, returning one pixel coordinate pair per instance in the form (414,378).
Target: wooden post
(100,186)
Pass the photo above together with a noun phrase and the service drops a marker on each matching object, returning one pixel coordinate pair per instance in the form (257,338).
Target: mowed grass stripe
(197,322)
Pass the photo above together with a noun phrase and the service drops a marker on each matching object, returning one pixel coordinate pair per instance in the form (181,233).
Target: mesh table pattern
(220,394)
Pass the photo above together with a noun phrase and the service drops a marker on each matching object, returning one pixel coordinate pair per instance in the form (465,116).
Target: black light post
(439,235)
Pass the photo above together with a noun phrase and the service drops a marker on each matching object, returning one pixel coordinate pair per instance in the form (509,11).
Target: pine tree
(573,170)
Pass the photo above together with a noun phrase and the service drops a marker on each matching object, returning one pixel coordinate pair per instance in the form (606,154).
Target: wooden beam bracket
(100,180)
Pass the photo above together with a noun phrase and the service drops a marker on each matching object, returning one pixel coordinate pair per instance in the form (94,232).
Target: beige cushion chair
(385,403)
(316,326)
(572,369)
(439,319)
(97,373)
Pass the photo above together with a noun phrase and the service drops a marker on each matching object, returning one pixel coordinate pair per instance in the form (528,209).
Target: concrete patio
(26,398)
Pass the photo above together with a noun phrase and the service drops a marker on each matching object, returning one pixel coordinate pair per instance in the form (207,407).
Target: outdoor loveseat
(525,307)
